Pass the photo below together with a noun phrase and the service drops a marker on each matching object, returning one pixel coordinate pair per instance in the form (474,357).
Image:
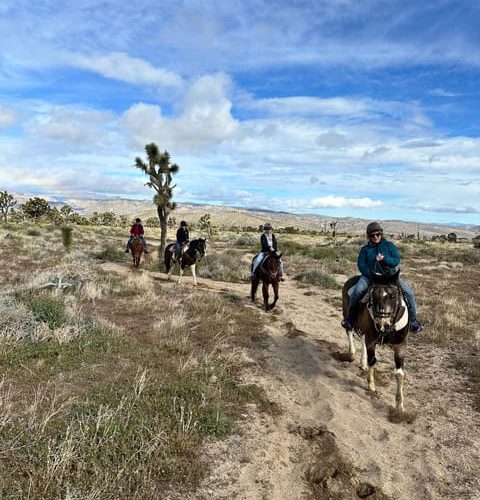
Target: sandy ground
(330,439)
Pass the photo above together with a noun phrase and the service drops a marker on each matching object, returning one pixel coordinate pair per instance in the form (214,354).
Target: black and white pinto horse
(197,249)
(381,318)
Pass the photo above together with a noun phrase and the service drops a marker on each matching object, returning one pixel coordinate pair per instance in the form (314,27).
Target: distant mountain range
(241,217)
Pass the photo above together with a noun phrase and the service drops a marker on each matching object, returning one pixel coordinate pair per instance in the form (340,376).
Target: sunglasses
(373,235)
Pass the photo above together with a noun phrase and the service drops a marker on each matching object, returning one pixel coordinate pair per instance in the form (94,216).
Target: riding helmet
(138,220)
(183,223)
(267,226)
(374,227)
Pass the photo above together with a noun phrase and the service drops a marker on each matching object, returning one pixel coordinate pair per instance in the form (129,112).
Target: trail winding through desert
(328,431)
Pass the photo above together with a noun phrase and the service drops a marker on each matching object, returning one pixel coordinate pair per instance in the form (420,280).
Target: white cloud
(332,140)
(121,66)
(204,118)
(7,116)
(331,201)
(69,124)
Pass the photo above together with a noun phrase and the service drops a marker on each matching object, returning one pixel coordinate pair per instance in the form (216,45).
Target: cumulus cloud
(204,118)
(70,124)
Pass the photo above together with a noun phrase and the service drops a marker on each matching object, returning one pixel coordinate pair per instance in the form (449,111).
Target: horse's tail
(168,258)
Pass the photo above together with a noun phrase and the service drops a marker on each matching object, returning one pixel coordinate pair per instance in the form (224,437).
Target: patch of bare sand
(331,439)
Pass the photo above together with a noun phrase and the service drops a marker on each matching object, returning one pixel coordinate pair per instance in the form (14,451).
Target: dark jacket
(367,258)
(182,235)
(136,229)
(264,243)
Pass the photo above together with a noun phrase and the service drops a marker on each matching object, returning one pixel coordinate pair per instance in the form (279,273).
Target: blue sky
(336,107)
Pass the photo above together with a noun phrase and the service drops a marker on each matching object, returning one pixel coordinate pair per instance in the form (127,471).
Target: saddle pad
(402,321)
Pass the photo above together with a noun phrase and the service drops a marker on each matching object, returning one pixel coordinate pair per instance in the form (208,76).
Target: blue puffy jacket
(367,262)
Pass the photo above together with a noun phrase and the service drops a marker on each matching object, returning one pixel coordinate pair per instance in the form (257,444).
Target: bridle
(375,314)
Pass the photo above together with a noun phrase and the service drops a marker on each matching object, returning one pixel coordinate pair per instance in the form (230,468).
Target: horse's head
(199,247)
(273,265)
(384,302)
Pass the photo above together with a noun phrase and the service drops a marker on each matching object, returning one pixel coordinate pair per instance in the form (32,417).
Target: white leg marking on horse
(400,376)
(180,275)
(364,355)
(371,379)
(192,267)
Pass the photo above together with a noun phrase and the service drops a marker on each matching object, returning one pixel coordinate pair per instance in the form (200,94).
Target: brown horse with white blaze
(381,317)
(269,273)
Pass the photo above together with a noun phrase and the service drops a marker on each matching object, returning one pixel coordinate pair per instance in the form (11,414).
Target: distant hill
(241,217)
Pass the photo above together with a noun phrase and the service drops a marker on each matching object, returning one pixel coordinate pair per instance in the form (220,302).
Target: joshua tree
(206,225)
(35,208)
(160,171)
(6,203)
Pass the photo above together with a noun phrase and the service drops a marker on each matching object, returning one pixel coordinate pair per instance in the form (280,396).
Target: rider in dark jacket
(183,238)
(379,256)
(269,244)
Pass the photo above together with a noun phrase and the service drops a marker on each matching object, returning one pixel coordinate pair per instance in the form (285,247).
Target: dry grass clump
(229,265)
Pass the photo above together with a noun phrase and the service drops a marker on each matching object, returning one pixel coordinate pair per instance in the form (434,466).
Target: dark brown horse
(197,249)
(136,247)
(269,273)
(381,318)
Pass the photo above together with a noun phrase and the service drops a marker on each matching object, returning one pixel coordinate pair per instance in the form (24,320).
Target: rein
(398,304)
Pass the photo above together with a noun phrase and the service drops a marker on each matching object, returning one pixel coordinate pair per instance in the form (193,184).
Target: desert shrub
(33,232)
(110,253)
(245,240)
(318,277)
(67,237)
(452,237)
(45,308)
(225,266)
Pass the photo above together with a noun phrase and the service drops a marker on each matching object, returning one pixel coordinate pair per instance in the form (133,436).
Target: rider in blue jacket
(379,256)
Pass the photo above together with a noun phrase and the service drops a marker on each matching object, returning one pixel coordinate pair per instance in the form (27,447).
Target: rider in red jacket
(137,230)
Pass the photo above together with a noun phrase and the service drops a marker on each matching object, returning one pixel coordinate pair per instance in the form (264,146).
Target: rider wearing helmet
(183,237)
(269,244)
(137,230)
(379,256)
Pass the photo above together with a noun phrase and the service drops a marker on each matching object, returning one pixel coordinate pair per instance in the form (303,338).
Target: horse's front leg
(265,294)
(254,289)
(192,267)
(364,354)
(180,274)
(275,292)
(399,375)
(371,368)
(351,345)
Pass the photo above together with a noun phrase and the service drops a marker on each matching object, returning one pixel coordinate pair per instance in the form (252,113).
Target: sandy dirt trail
(329,431)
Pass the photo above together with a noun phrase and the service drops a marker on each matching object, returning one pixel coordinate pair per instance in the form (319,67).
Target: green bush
(50,310)
(67,237)
(318,277)
(110,253)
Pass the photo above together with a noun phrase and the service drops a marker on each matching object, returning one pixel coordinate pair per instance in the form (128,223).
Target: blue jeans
(142,239)
(258,261)
(364,282)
